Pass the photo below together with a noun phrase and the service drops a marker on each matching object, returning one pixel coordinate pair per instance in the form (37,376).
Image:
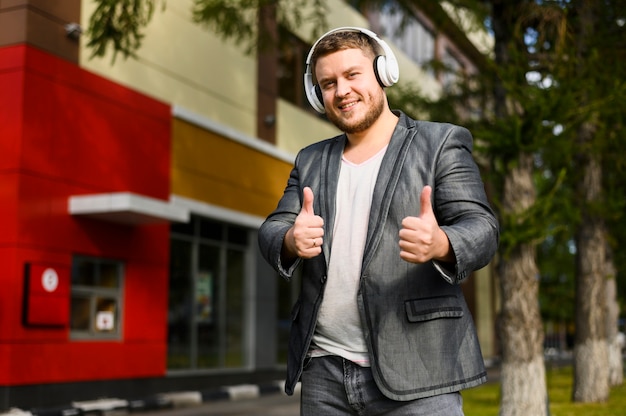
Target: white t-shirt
(339,330)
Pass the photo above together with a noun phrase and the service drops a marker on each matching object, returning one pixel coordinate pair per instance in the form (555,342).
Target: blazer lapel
(386,182)
(329,177)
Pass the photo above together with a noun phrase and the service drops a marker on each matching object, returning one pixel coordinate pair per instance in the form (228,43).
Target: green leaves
(119,24)
(235,20)
(239,20)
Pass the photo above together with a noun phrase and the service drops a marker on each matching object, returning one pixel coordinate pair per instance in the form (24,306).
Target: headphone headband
(385,66)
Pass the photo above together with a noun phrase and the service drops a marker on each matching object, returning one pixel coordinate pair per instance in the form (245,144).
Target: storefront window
(207,289)
(96,298)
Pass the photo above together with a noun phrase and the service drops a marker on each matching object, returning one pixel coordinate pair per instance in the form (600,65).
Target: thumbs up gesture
(305,238)
(421,239)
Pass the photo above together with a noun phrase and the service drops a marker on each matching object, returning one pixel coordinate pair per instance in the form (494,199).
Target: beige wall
(482,40)
(297,128)
(182,63)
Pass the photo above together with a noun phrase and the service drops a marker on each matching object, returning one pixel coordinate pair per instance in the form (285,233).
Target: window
(96,298)
(292,54)
(206,322)
(414,38)
(453,70)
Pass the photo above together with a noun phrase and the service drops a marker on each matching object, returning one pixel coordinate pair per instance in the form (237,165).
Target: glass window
(208,306)
(206,325)
(96,298)
(238,235)
(292,52)
(183,228)
(234,307)
(452,72)
(181,305)
(408,34)
(211,229)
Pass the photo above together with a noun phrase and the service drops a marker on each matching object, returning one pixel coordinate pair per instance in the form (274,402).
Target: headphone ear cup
(380,70)
(316,99)
(318,94)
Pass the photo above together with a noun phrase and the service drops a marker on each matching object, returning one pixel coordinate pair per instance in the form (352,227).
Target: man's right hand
(305,238)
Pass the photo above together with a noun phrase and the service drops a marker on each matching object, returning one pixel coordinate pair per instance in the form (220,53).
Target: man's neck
(363,145)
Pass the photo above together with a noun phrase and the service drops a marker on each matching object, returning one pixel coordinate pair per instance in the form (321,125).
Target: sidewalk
(269,405)
(172,400)
(246,399)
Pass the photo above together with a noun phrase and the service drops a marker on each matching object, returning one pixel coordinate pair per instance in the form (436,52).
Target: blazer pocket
(427,309)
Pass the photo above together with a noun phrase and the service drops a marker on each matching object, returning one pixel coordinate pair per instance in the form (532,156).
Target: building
(131,192)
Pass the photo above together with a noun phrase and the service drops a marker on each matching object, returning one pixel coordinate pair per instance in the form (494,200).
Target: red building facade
(66,133)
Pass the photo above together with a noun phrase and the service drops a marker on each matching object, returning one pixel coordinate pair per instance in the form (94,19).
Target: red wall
(65,131)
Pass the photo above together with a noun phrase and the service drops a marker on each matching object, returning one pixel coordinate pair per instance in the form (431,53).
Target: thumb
(307,201)
(426,207)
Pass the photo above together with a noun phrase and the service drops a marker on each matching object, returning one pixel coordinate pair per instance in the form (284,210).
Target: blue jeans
(332,385)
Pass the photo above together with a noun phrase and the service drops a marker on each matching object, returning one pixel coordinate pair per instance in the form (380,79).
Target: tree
(595,39)
(512,135)
(567,43)
(591,378)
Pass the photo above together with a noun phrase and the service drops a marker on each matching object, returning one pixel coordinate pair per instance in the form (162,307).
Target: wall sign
(50,280)
(46,295)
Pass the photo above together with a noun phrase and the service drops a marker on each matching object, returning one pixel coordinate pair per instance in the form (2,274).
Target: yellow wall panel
(219,171)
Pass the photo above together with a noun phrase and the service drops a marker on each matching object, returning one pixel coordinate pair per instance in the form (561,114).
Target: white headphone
(385,67)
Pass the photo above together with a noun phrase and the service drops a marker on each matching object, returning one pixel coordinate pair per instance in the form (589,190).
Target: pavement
(246,399)
(269,405)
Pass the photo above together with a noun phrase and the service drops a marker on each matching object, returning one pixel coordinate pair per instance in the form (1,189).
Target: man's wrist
(288,253)
(445,253)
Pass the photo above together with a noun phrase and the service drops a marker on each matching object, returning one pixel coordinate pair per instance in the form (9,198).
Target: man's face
(353,98)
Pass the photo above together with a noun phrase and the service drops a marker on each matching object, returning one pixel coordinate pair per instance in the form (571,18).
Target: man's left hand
(421,239)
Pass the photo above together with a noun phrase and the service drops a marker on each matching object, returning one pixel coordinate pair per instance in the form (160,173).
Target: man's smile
(347,106)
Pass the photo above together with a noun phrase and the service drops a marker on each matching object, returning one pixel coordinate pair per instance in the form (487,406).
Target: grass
(485,400)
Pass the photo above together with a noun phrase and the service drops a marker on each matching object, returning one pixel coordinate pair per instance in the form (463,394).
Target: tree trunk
(520,326)
(616,365)
(591,366)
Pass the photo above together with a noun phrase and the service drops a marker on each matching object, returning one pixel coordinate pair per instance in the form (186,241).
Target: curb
(170,400)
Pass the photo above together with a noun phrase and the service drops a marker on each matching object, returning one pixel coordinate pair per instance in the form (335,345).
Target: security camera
(73,30)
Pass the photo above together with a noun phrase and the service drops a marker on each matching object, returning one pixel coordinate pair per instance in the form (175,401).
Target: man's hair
(344,40)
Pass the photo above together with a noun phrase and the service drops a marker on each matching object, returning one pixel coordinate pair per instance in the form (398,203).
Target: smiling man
(385,220)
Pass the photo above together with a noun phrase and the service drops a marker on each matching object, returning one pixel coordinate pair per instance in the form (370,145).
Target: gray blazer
(419,331)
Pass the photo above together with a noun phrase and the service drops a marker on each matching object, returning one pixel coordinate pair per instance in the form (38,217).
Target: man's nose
(343,88)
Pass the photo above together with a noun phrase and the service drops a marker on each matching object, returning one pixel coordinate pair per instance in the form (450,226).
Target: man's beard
(374,111)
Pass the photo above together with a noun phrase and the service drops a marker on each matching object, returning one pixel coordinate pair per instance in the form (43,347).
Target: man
(385,220)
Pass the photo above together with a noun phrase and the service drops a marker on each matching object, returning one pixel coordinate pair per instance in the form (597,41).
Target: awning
(126,208)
